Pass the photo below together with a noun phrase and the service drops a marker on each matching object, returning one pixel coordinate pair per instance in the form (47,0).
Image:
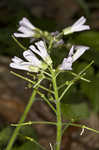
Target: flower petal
(79,51)
(66,64)
(80,21)
(33,48)
(80,28)
(19,66)
(17,59)
(25,22)
(42,48)
(71,52)
(26,28)
(32,58)
(41,51)
(20,35)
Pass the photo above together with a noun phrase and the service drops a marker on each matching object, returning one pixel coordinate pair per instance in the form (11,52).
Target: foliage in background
(21,143)
(82,95)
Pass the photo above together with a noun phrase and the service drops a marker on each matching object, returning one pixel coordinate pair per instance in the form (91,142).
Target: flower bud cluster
(36,56)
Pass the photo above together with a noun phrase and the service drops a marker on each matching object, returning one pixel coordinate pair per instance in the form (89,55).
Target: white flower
(66,64)
(72,57)
(33,64)
(79,51)
(77,26)
(41,51)
(26,29)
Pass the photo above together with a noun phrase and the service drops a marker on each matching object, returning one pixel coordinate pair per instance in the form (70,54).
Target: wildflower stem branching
(79,76)
(32,82)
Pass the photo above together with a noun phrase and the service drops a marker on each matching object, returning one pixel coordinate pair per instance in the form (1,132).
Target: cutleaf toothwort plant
(37,62)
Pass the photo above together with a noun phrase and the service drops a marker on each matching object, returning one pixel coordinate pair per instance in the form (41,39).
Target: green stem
(80,77)
(19,43)
(67,125)
(26,79)
(62,85)
(59,125)
(58,109)
(46,73)
(83,127)
(59,35)
(14,135)
(47,101)
(50,44)
(75,79)
(71,83)
(34,122)
(34,141)
(86,68)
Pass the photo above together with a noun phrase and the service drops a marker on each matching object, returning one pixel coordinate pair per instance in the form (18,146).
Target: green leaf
(26,131)
(75,111)
(27,146)
(92,92)
(74,105)
(5,135)
(89,38)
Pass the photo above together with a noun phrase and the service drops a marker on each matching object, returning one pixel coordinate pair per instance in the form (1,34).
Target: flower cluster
(33,63)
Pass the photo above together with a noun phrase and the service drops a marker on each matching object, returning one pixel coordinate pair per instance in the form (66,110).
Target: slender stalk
(46,73)
(62,85)
(33,82)
(71,83)
(58,110)
(15,133)
(75,79)
(80,77)
(19,43)
(59,35)
(81,126)
(38,82)
(34,141)
(34,122)
(67,125)
(47,101)
(59,126)
(86,68)
(50,44)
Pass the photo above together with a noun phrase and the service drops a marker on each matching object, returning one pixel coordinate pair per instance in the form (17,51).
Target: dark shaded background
(48,15)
